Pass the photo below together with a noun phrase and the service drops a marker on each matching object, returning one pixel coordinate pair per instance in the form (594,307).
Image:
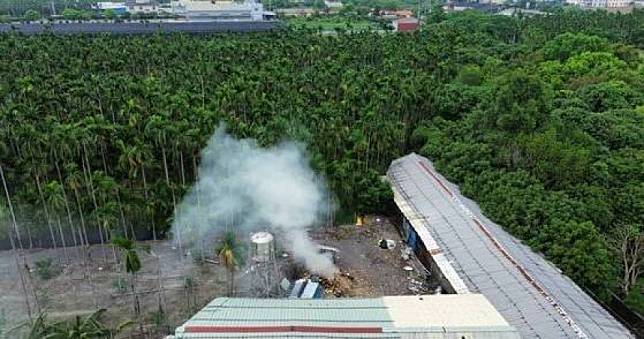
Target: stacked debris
(339,285)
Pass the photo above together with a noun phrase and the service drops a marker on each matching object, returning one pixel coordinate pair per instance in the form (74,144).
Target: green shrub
(120,285)
(45,269)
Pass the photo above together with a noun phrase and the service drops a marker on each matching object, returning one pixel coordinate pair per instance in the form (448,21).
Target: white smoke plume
(244,187)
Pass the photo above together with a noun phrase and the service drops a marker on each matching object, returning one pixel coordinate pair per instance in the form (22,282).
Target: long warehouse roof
(424,316)
(530,292)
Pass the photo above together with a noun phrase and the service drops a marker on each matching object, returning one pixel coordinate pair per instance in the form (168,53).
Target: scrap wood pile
(340,285)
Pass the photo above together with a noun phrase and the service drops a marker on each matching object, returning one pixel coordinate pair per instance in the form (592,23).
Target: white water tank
(262,247)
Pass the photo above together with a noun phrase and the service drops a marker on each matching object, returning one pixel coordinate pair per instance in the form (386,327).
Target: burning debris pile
(243,187)
(340,285)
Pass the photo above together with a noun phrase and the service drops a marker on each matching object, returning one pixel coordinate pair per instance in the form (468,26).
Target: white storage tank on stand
(263,247)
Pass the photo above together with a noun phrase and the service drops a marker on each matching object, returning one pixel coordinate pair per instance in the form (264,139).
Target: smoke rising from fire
(244,187)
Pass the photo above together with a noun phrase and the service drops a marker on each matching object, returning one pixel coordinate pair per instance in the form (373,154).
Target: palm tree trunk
(137,305)
(31,242)
(122,215)
(46,210)
(161,294)
(183,173)
(174,198)
(82,218)
(232,282)
(26,226)
(13,245)
(68,210)
(62,239)
(86,166)
(145,193)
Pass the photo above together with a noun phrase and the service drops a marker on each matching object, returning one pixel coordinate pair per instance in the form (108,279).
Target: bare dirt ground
(368,271)
(374,271)
(71,293)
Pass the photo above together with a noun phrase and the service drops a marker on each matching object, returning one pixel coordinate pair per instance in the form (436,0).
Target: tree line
(539,119)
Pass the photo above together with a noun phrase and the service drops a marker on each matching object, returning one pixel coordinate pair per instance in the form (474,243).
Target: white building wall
(600,3)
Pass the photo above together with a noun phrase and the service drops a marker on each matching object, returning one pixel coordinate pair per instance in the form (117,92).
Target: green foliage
(131,260)
(579,250)
(551,146)
(554,162)
(230,251)
(19,8)
(381,4)
(436,15)
(470,75)
(374,194)
(331,22)
(635,299)
(31,15)
(82,327)
(45,269)
(109,14)
(566,45)
(231,254)
(72,14)
(609,95)
(521,103)
(543,129)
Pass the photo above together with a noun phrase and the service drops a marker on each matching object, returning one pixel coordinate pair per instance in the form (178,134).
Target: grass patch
(331,23)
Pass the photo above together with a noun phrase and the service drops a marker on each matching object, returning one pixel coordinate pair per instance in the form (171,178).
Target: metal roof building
(432,316)
(476,255)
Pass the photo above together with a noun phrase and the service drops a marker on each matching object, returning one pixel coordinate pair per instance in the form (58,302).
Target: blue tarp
(412,239)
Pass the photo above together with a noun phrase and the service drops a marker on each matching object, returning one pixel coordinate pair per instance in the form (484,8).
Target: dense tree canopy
(540,123)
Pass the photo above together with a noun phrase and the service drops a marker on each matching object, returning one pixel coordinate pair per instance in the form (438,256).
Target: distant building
(210,9)
(600,3)
(290,12)
(515,11)
(333,4)
(428,316)
(142,6)
(402,13)
(457,6)
(117,7)
(406,24)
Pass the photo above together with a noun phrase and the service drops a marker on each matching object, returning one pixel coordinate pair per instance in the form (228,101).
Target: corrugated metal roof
(430,316)
(525,288)
(235,311)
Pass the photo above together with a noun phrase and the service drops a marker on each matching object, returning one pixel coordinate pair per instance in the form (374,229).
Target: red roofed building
(406,24)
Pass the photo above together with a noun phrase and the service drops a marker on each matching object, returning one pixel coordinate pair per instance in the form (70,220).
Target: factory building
(196,10)
(600,3)
(471,254)
(193,10)
(117,7)
(142,6)
(444,316)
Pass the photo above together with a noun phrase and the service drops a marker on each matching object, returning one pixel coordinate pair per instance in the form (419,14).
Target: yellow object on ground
(360,220)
